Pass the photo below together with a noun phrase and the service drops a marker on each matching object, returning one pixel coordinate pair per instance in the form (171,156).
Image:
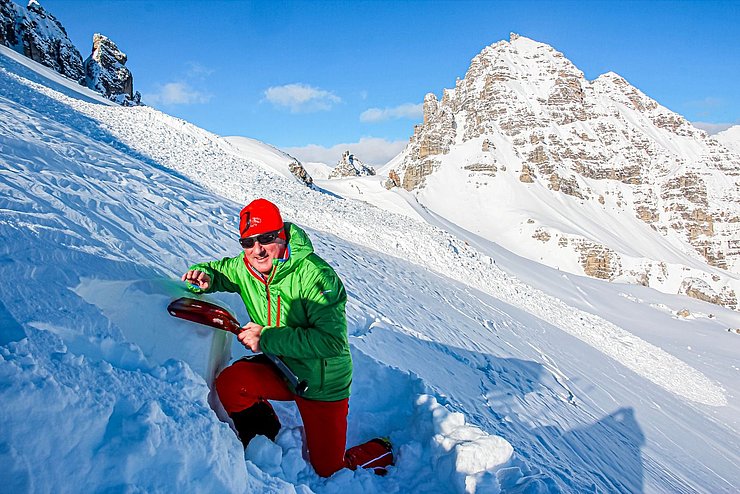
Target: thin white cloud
(198,71)
(406,110)
(712,128)
(371,150)
(176,93)
(705,108)
(709,102)
(301,98)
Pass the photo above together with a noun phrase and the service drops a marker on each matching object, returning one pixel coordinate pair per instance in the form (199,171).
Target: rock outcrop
(350,166)
(106,73)
(299,172)
(9,14)
(701,290)
(41,37)
(393,180)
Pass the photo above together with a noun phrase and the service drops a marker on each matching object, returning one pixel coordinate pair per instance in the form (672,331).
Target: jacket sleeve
(325,336)
(223,273)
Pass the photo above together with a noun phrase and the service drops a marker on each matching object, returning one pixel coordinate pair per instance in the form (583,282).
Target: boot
(375,454)
(260,418)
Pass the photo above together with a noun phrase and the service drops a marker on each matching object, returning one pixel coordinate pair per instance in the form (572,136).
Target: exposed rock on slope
(105,72)
(299,172)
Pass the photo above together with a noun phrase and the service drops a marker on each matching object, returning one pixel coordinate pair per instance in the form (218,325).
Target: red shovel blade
(205,313)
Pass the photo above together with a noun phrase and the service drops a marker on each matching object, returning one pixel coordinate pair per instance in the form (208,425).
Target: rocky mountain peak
(351,166)
(524,112)
(40,36)
(105,72)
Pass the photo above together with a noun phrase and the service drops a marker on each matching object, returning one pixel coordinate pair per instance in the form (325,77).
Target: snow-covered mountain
(589,177)
(730,138)
(37,34)
(489,372)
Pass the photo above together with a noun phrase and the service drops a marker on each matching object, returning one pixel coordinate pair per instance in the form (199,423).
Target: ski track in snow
(96,217)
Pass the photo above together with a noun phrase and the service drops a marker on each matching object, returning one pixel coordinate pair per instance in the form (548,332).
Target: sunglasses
(263,239)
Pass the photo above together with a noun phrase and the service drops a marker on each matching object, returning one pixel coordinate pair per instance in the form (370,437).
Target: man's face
(261,256)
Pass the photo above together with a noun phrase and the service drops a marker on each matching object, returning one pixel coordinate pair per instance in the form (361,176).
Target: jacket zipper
(269,308)
(266,282)
(267,292)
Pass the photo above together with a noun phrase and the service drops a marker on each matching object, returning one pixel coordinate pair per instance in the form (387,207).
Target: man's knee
(243,383)
(231,391)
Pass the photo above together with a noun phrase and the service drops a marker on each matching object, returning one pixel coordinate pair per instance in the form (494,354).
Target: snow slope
(490,373)
(263,154)
(730,138)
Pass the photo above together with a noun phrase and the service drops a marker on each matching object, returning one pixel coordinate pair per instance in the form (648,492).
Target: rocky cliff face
(350,166)
(40,36)
(525,122)
(106,73)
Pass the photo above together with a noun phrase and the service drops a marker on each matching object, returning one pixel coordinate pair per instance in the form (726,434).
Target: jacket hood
(300,247)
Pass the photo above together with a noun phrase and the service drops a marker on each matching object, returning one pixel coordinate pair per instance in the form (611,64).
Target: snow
(262,153)
(489,372)
(730,138)
(54,80)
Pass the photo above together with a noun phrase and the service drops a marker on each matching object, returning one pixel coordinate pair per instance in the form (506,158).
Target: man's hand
(197,278)
(250,336)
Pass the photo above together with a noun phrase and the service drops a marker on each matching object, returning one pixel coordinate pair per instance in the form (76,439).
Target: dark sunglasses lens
(264,239)
(267,238)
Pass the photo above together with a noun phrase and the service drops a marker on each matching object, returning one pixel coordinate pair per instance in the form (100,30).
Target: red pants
(244,383)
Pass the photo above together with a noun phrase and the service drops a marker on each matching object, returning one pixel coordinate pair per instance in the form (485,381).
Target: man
(297,305)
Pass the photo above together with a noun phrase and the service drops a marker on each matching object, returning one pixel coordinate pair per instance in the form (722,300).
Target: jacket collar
(299,247)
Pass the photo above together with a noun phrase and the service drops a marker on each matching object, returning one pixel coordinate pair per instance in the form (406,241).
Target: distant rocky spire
(350,166)
(105,72)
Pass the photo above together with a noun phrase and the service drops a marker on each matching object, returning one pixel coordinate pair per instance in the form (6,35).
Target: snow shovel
(212,315)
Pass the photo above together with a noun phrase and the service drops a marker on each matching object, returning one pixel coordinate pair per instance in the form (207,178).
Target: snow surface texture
(488,372)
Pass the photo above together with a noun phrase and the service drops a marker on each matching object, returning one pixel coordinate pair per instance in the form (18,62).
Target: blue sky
(335,74)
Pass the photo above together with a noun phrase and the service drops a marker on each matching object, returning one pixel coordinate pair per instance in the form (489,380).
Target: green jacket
(301,306)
